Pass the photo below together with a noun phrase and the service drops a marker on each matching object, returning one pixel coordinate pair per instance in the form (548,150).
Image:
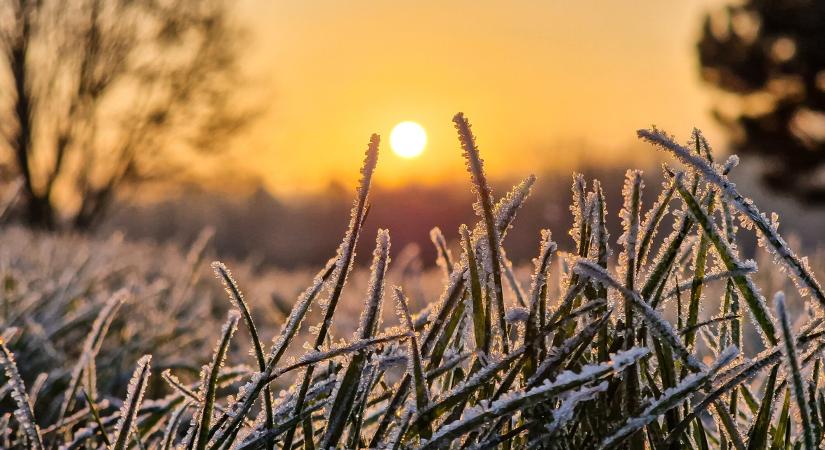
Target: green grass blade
(729,424)
(651,224)
(444,260)
(484,208)
(778,438)
(658,325)
(23,413)
(131,406)
(480,327)
(669,400)
(699,266)
(415,366)
(792,362)
(816,413)
(565,382)
(209,386)
(344,398)
(537,287)
(736,376)
(753,298)
(758,435)
(798,268)
(167,441)
(237,298)
(632,193)
(279,347)
(346,254)
(96,417)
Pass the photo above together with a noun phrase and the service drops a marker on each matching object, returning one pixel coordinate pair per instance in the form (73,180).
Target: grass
(644,350)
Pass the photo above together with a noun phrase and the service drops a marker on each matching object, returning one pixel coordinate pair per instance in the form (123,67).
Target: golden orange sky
(546,84)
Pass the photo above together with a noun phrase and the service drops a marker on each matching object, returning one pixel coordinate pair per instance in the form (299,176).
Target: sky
(548,85)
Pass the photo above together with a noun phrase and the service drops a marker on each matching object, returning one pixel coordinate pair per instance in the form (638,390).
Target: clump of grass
(598,361)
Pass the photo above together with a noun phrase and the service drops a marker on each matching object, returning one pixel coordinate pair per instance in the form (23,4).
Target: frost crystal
(134,396)
(23,413)
(658,325)
(802,275)
(517,315)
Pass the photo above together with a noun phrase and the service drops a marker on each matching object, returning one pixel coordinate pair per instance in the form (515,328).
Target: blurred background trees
(769,57)
(98,95)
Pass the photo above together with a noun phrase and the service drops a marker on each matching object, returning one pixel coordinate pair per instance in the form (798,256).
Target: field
(662,337)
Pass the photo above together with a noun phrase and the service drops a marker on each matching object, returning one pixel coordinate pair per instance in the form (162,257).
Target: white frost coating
(517,314)
(726,248)
(415,366)
(480,377)
(249,392)
(558,353)
(285,408)
(630,212)
(802,274)
(631,193)
(658,325)
(730,164)
(564,413)
(510,402)
(578,207)
(23,413)
(747,267)
(792,362)
(336,350)
(444,257)
(539,277)
(131,406)
(346,251)
(725,358)
(669,399)
(505,210)
(652,219)
(504,213)
(371,315)
(601,237)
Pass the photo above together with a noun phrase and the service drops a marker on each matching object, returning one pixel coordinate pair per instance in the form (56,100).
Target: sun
(408,139)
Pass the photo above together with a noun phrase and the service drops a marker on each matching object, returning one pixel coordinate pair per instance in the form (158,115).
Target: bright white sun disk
(408,139)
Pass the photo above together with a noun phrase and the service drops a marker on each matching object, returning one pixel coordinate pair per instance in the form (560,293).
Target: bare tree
(97,95)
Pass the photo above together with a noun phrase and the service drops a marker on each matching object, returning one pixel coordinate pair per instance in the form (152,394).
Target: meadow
(661,337)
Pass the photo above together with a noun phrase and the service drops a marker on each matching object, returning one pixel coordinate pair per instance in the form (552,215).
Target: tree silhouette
(97,95)
(768,59)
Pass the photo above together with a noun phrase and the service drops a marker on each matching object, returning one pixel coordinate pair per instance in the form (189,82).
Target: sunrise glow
(408,139)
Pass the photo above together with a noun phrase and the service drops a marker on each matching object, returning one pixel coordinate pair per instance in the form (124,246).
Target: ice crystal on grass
(800,269)
(669,399)
(23,413)
(478,367)
(517,315)
(792,361)
(131,406)
(564,413)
